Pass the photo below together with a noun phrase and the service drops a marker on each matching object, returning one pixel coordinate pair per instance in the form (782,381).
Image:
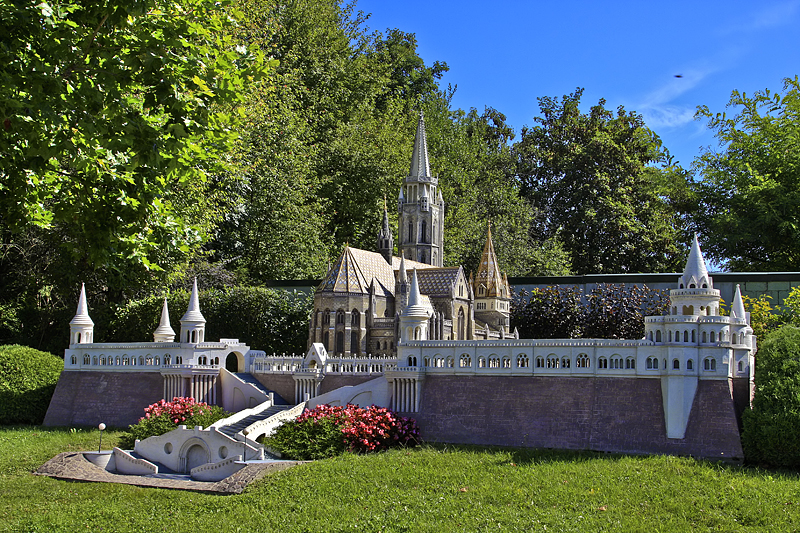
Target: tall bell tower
(421,207)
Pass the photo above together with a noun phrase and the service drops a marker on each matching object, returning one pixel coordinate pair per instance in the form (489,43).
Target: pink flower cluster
(178,409)
(367,429)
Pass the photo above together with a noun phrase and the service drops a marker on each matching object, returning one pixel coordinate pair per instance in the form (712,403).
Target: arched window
(582,361)
(340,317)
(704,337)
(423,234)
(355,318)
(670,336)
(713,336)
(630,363)
(326,340)
(676,365)
(522,361)
(85,359)
(658,336)
(355,345)
(741,366)
(410,231)
(481,362)
(540,362)
(552,361)
(709,363)
(652,363)
(462,329)
(693,336)
(565,362)
(340,342)
(602,363)
(685,336)
(465,361)
(689,365)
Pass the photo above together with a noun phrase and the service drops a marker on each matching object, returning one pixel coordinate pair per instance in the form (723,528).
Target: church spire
(489,271)
(737,307)
(420,165)
(385,237)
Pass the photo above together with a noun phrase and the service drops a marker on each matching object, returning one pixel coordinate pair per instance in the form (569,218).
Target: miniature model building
(358,304)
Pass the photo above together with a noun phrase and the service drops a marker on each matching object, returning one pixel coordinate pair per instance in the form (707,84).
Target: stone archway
(234,362)
(194,453)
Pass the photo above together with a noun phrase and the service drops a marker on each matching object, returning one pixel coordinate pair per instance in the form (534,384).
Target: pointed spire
(420,166)
(81,317)
(695,275)
(737,308)
(402,277)
(385,231)
(488,271)
(164,332)
(414,296)
(193,313)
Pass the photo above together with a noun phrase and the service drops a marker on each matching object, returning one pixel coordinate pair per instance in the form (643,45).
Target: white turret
(164,332)
(193,323)
(737,308)
(81,327)
(695,295)
(414,318)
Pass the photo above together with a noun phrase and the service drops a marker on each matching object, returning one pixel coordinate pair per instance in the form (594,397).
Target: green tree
(748,200)
(113,123)
(592,178)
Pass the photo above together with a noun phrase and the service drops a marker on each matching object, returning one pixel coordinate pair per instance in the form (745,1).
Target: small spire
(737,308)
(164,332)
(420,165)
(402,277)
(193,313)
(695,275)
(81,317)
(414,296)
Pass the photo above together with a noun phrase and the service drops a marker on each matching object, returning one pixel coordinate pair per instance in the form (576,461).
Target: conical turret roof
(695,275)
(416,307)
(164,332)
(386,231)
(737,307)
(81,317)
(193,313)
(420,165)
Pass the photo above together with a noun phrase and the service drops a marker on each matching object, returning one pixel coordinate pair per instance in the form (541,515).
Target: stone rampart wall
(114,398)
(607,414)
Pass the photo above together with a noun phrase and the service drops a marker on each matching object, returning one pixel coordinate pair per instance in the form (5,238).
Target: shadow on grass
(534,456)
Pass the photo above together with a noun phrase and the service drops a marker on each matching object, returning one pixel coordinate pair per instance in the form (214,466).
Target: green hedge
(771,432)
(28,378)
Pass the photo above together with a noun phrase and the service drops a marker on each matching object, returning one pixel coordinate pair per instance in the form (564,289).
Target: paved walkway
(73,466)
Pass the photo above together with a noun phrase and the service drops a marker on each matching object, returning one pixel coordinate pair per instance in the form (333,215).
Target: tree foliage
(591,176)
(111,123)
(748,200)
(608,312)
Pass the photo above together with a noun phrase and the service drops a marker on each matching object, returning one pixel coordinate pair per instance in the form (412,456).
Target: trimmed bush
(326,431)
(28,378)
(162,417)
(771,432)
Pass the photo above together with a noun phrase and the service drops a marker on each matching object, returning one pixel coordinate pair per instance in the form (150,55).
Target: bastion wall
(622,415)
(114,398)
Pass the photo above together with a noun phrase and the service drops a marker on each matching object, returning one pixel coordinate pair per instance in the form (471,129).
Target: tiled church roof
(355,269)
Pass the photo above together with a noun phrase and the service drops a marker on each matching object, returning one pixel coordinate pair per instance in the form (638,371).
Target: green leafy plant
(771,432)
(326,431)
(28,379)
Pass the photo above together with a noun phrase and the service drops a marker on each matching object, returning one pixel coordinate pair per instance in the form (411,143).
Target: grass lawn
(425,489)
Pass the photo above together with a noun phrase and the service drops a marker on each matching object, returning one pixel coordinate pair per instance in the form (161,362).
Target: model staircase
(234,428)
(248,378)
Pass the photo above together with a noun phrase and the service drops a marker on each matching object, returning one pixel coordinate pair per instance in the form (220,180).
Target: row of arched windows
(355,318)
(124,360)
(690,336)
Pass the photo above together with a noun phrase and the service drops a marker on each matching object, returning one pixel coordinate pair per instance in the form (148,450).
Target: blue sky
(505,54)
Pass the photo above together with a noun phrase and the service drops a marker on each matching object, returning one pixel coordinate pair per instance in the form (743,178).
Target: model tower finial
(737,307)
(193,323)
(385,237)
(81,327)
(164,331)
(695,275)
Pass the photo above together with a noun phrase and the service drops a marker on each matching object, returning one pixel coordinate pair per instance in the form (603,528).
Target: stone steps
(232,429)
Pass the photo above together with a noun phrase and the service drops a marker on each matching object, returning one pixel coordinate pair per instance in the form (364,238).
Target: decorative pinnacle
(81,317)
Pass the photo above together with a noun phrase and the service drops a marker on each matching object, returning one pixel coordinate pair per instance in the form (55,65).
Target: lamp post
(101,427)
(244,445)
